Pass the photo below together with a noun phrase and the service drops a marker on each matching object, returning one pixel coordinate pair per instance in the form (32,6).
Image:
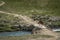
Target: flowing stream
(19,33)
(56,30)
(16,33)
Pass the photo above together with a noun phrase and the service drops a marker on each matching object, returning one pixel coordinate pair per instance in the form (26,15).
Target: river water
(19,33)
(16,33)
(56,29)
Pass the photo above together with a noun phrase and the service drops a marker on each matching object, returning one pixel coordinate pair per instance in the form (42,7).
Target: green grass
(8,21)
(25,7)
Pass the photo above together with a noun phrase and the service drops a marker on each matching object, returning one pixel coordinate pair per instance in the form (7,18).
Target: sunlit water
(56,29)
(17,33)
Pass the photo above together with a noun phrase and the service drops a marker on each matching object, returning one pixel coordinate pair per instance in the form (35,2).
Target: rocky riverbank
(16,24)
(47,20)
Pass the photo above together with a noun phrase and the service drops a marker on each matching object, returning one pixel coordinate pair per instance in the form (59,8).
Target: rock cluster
(47,19)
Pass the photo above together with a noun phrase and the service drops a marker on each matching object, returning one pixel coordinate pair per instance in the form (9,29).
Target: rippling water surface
(18,33)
